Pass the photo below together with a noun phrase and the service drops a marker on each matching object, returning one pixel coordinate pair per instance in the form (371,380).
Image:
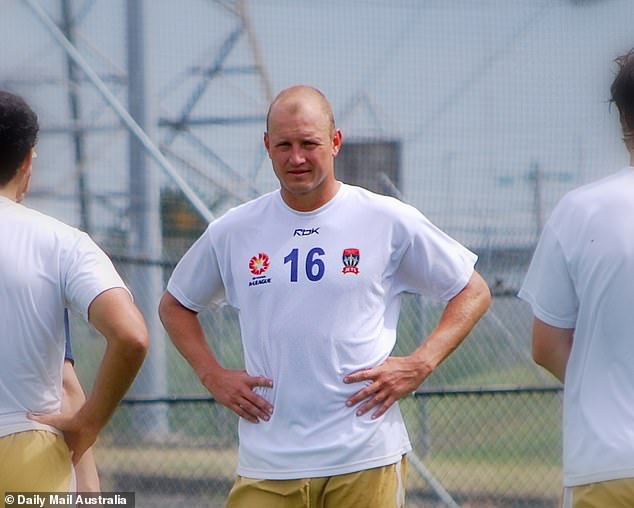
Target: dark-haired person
(580,285)
(317,270)
(46,266)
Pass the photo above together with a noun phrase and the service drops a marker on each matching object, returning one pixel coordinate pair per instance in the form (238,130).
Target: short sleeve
(88,272)
(432,263)
(548,287)
(197,281)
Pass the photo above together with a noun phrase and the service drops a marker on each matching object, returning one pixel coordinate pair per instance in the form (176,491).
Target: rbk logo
(306,232)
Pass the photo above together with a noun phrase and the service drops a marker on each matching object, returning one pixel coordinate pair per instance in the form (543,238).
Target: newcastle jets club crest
(351,261)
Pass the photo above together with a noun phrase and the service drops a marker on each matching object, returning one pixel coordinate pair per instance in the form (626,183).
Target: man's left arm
(400,376)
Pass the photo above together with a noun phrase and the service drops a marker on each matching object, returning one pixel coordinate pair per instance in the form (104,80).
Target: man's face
(302,147)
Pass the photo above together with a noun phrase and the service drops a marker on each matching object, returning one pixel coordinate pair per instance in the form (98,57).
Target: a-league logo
(259,264)
(351,260)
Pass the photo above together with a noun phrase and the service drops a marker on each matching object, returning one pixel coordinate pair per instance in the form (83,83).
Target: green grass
(171,462)
(493,429)
(457,475)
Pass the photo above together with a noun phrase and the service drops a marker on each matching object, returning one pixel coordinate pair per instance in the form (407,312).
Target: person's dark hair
(622,92)
(18,134)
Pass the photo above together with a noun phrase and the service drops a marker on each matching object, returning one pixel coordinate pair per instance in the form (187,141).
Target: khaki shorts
(612,494)
(381,487)
(34,461)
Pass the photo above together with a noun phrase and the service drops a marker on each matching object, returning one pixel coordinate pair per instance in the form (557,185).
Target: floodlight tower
(227,183)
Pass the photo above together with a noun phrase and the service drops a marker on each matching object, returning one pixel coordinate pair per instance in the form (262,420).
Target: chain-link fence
(472,448)
(481,114)
(485,427)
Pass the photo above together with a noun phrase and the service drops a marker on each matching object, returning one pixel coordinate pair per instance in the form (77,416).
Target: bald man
(316,270)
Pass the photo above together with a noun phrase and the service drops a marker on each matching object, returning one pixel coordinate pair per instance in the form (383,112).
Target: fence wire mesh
(481,114)
(487,448)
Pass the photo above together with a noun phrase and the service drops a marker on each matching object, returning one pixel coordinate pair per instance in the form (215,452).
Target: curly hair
(622,92)
(18,134)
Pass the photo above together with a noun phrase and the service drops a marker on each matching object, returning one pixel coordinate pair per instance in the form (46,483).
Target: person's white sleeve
(433,263)
(197,281)
(548,287)
(88,272)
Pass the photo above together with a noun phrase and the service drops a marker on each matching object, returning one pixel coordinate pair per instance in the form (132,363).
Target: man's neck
(310,202)
(9,191)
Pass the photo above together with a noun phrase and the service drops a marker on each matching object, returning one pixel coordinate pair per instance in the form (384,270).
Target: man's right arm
(232,388)
(551,347)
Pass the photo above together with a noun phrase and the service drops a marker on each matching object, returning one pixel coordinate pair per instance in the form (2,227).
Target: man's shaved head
(294,98)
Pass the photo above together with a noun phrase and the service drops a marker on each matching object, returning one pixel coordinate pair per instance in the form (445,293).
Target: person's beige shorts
(381,487)
(34,461)
(612,494)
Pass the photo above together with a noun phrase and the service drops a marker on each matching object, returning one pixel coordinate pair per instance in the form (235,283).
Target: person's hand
(234,389)
(78,436)
(389,382)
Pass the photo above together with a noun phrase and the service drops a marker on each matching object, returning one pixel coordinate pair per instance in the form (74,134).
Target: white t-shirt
(45,266)
(582,277)
(318,295)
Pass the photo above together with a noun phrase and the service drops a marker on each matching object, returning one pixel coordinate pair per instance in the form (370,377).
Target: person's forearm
(120,364)
(458,318)
(186,332)
(86,473)
(230,387)
(72,399)
(399,376)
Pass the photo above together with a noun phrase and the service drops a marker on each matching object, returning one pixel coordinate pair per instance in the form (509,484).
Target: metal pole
(436,486)
(243,10)
(121,112)
(75,111)
(144,238)
(538,177)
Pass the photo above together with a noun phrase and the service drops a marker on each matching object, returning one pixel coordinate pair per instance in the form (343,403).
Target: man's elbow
(485,296)
(119,320)
(135,340)
(481,292)
(170,310)
(165,306)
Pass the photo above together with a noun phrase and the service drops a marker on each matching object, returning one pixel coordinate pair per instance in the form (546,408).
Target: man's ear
(24,176)
(27,162)
(337,141)
(267,143)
